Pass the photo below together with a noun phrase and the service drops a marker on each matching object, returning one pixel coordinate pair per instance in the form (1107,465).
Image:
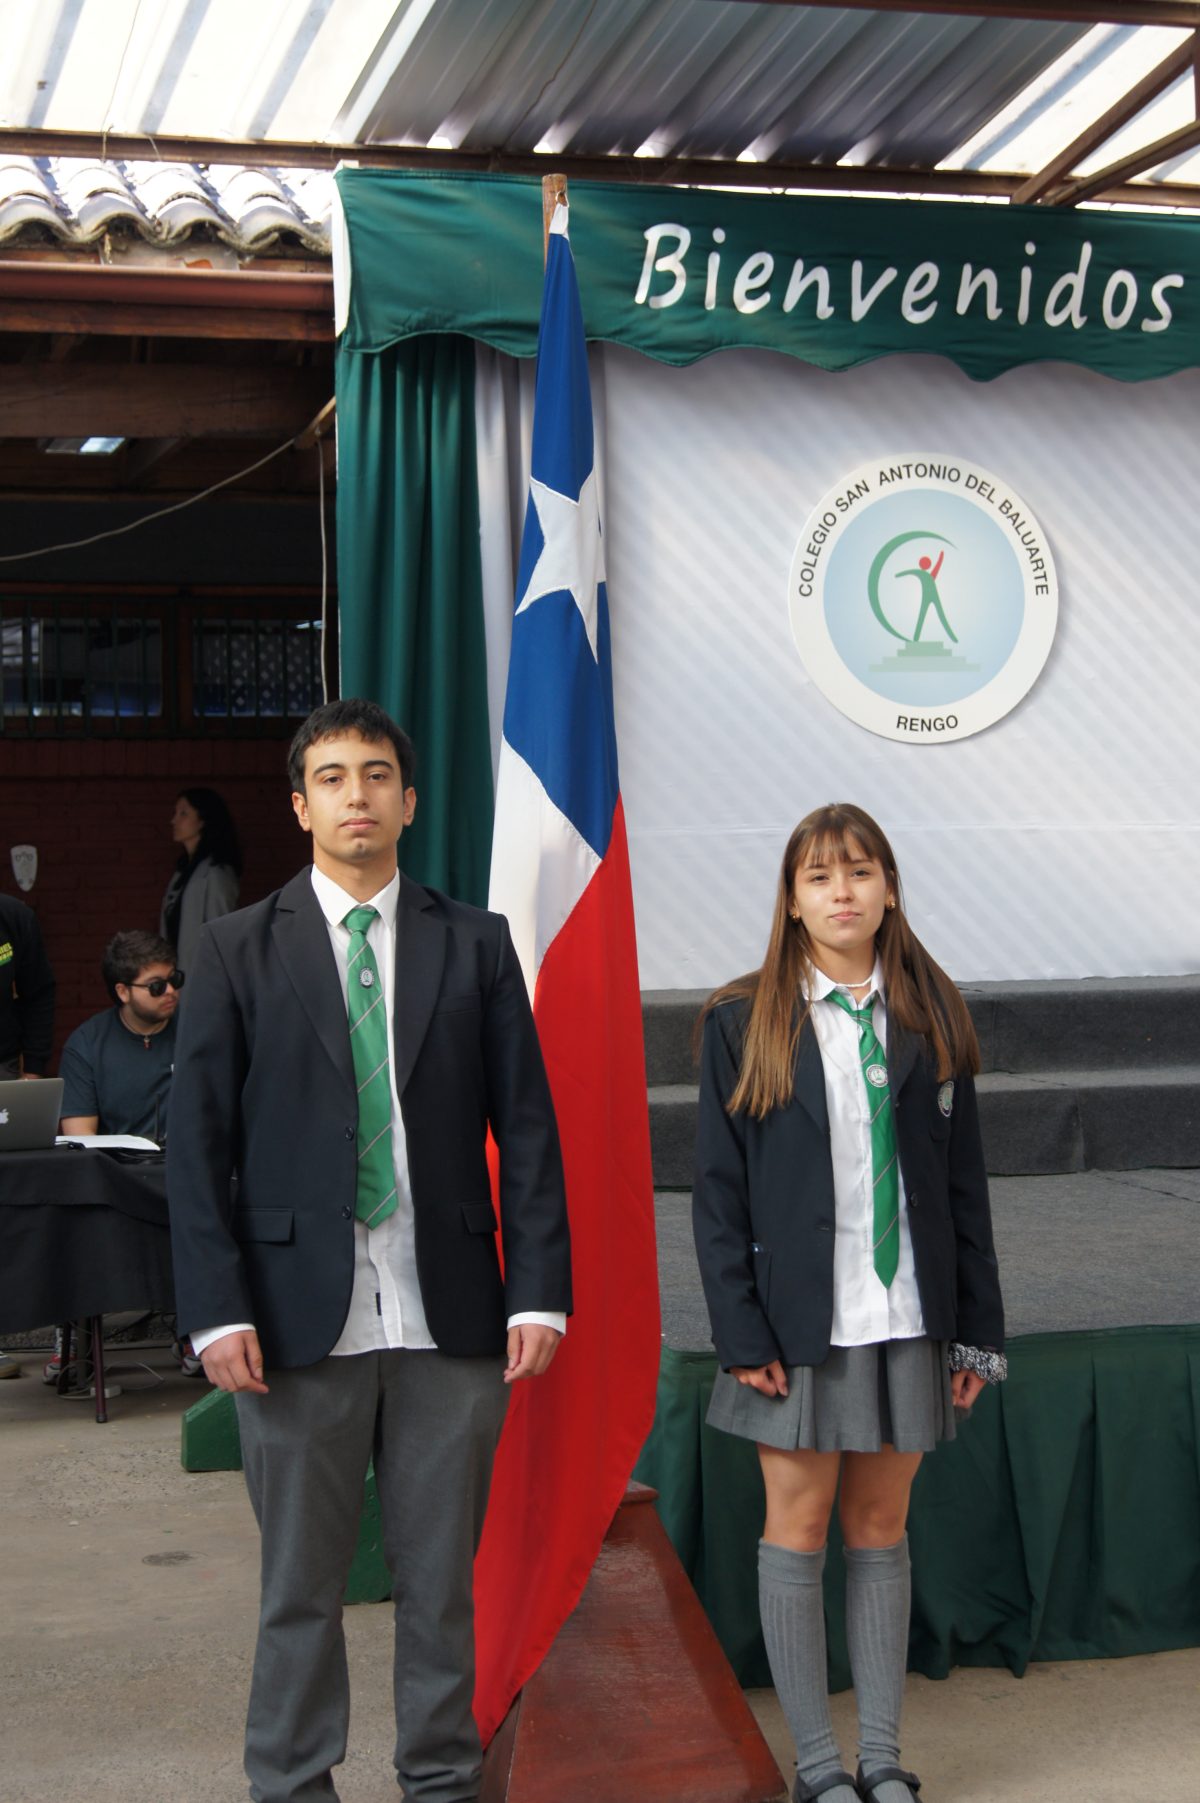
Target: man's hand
(234,1362)
(768,1380)
(31,1076)
(965,1386)
(530,1350)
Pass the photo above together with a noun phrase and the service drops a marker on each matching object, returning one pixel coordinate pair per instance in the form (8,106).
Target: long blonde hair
(920,996)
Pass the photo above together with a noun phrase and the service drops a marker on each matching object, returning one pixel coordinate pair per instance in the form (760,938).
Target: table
(81,1234)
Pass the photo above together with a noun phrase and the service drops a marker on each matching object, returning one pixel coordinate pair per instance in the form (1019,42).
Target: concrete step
(1088,1025)
(1094,1025)
(1035,1123)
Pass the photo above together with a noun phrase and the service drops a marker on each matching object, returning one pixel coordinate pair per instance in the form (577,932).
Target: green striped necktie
(885,1165)
(376,1198)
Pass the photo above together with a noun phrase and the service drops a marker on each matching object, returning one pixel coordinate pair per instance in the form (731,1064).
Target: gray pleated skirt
(895,1393)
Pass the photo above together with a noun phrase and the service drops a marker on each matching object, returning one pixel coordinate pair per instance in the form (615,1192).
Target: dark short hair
(128,953)
(367,719)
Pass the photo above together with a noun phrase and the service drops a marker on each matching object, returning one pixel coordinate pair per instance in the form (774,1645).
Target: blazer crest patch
(946,1098)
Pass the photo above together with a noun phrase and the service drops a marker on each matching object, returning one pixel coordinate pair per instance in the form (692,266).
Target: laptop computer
(29,1114)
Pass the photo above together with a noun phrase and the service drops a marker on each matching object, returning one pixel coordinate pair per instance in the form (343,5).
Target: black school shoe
(805,1792)
(867,1786)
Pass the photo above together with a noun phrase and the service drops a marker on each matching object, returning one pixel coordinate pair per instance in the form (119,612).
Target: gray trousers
(431,1424)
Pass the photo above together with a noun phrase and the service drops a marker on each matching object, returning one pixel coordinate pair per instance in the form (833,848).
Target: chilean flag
(560,872)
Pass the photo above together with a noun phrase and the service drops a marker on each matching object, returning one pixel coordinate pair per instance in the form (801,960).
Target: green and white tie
(885,1164)
(376,1197)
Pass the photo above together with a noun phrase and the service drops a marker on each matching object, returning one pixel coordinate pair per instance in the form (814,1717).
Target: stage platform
(1060,1524)
(1095,1250)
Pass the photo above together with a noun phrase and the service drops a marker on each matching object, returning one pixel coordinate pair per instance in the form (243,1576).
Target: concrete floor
(128,1595)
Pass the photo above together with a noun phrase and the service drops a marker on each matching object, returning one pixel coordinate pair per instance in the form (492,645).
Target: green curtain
(410,592)
(1060,1524)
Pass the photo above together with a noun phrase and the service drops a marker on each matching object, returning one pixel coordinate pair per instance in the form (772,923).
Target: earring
(890,904)
(791,916)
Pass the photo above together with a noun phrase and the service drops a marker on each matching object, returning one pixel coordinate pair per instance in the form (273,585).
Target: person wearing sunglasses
(117,1066)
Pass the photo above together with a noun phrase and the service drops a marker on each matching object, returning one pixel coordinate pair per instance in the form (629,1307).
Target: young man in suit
(347,1045)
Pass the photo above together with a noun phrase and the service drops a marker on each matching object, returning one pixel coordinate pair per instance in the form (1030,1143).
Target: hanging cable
(324,575)
(77,544)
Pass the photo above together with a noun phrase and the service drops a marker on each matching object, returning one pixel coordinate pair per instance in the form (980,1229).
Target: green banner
(679,273)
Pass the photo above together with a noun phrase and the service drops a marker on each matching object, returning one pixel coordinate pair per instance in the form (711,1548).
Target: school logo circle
(923,598)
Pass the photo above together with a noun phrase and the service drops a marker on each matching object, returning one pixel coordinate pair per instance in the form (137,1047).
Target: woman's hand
(965,1387)
(768,1380)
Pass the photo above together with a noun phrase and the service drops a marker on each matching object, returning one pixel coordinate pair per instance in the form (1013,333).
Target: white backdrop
(1064,841)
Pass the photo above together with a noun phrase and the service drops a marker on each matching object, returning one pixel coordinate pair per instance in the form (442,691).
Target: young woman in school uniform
(845,1244)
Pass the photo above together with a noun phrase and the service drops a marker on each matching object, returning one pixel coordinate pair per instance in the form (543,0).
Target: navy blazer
(763,1203)
(262,1140)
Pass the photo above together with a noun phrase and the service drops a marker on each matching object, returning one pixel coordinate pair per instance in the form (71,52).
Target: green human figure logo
(927,655)
(927,577)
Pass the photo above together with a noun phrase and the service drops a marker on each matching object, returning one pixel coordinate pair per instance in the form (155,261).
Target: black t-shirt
(119,1076)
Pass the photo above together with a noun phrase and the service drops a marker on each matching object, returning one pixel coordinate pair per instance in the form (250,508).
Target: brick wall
(99,814)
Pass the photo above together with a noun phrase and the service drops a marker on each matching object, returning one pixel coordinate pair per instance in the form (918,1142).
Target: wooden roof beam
(291,321)
(145,300)
(322,422)
(159,401)
(1110,123)
(145,455)
(1091,187)
(311,292)
(108,319)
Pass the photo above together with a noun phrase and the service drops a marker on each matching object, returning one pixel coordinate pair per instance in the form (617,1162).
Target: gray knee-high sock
(792,1608)
(878,1593)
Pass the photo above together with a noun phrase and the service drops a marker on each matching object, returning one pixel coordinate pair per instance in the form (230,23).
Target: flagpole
(581,1600)
(554,193)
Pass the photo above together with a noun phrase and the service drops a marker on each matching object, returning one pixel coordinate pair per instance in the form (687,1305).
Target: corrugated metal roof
(703,78)
(73,201)
(697,77)
(684,78)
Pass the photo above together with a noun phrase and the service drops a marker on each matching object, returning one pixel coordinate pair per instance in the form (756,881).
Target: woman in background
(207,877)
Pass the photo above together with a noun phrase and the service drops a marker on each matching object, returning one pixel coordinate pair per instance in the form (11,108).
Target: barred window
(65,665)
(251,668)
(97,664)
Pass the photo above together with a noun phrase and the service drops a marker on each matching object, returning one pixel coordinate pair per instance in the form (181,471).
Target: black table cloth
(81,1234)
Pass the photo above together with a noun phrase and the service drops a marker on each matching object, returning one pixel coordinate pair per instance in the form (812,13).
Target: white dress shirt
(864,1309)
(386,1312)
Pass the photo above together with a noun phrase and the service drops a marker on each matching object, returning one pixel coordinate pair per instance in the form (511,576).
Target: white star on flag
(572,556)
